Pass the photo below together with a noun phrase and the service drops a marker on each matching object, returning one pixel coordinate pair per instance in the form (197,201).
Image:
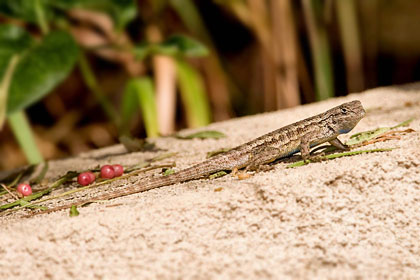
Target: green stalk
(320,50)
(91,82)
(193,95)
(144,90)
(40,16)
(350,39)
(23,133)
(4,87)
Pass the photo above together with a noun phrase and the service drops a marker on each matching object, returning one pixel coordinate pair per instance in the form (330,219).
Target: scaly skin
(283,142)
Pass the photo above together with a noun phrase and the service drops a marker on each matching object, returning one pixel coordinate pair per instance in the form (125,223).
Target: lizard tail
(191,173)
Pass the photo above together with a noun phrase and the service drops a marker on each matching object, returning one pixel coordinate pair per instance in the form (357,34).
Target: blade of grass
(337,155)
(4,88)
(41,174)
(23,202)
(92,84)
(365,136)
(193,95)
(40,16)
(23,133)
(144,90)
(350,37)
(320,49)
(213,71)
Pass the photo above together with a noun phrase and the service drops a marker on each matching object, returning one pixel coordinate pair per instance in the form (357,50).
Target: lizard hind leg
(260,159)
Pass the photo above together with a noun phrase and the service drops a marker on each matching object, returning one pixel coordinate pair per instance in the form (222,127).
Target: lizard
(283,142)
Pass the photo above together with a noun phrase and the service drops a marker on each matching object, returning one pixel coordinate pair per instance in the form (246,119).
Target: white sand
(354,217)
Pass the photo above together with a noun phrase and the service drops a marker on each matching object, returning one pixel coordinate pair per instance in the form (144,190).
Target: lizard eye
(344,110)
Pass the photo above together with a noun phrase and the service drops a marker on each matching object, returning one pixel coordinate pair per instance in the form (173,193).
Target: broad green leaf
(24,9)
(144,90)
(206,134)
(122,11)
(14,39)
(193,95)
(41,69)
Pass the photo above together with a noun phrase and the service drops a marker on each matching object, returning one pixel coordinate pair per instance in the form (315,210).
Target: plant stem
(90,80)
(4,87)
(320,50)
(40,16)
(23,133)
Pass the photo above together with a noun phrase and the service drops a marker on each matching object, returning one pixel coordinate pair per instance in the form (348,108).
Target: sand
(352,217)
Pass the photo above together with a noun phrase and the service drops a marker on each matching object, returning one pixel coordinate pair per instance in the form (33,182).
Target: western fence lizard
(280,143)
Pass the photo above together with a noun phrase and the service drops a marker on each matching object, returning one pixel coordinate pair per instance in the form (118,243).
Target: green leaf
(366,135)
(185,45)
(41,69)
(14,39)
(404,123)
(205,134)
(217,175)
(24,9)
(193,95)
(176,45)
(218,152)
(372,134)
(168,171)
(73,211)
(24,201)
(121,11)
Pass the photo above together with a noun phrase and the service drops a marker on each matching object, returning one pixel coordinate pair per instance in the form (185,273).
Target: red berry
(107,172)
(118,170)
(85,178)
(92,176)
(24,189)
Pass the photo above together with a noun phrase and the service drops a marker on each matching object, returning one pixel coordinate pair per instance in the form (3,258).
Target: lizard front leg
(339,145)
(305,147)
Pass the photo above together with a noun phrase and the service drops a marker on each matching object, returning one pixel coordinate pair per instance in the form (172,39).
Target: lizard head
(346,116)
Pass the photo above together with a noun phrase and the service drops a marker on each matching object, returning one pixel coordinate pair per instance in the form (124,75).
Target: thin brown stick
(12,194)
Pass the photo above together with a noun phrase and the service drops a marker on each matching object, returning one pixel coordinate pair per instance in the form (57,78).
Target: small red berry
(24,189)
(85,178)
(107,172)
(92,176)
(118,170)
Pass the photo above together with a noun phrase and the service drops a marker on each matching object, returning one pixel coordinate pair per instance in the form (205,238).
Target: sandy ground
(353,217)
